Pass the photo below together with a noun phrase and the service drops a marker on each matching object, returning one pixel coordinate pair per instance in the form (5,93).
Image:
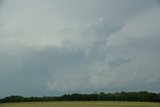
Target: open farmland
(82,104)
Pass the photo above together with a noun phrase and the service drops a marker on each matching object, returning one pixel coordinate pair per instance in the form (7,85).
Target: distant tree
(118,96)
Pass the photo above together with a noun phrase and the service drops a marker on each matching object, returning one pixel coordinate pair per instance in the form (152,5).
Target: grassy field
(82,104)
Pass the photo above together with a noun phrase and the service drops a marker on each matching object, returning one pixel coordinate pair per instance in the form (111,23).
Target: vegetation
(142,96)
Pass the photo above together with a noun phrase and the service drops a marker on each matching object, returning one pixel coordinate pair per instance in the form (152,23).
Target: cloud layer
(54,47)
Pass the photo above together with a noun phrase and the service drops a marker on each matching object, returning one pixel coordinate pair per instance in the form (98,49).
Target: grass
(82,104)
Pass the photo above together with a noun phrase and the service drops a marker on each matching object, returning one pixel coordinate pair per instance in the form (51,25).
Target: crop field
(82,104)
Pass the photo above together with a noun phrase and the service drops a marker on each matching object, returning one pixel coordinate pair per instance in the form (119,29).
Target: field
(82,104)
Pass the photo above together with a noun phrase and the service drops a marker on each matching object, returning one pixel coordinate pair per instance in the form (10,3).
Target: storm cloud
(54,47)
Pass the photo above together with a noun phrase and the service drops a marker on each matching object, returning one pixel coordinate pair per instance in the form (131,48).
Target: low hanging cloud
(145,28)
(55,47)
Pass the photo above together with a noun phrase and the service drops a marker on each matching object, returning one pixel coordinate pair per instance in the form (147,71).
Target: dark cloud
(118,62)
(56,47)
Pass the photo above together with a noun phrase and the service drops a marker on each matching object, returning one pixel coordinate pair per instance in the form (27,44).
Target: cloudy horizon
(54,47)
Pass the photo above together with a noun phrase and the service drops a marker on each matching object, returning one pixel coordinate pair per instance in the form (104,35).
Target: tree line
(142,96)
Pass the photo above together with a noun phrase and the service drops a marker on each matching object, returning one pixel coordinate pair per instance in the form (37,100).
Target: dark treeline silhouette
(143,96)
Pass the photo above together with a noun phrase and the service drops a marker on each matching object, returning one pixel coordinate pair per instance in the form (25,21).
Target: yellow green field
(82,104)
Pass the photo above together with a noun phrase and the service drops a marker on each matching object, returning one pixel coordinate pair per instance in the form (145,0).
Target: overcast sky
(52,47)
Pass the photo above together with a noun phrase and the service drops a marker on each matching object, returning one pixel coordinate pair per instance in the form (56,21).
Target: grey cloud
(55,47)
(118,62)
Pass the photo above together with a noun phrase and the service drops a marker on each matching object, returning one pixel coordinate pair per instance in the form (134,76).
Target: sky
(55,47)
